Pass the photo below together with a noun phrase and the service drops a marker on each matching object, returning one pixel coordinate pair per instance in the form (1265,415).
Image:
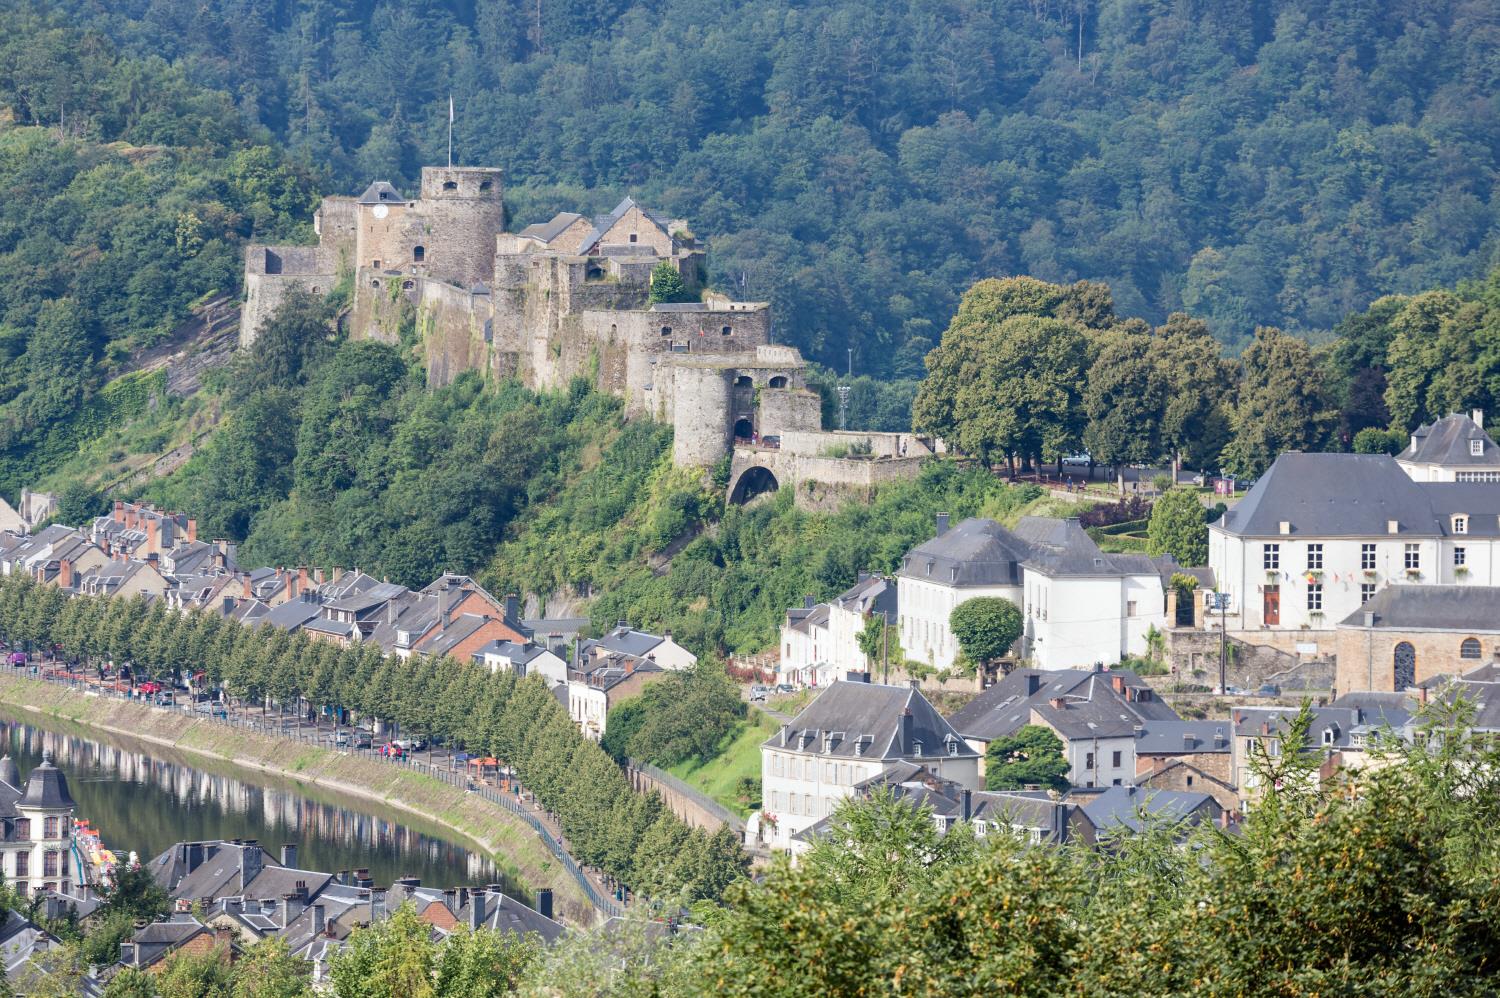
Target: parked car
(340,739)
(1269,690)
(1077,459)
(758,694)
(213,709)
(165,698)
(362,740)
(785,688)
(410,745)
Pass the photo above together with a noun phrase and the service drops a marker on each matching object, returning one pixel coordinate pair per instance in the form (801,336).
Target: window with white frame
(1413,556)
(1366,592)
(1477,476)
(1460,524)
(1315,557)
(1367,557)
(1270,557)
(1315,597)
(1460,557)
(1476,447)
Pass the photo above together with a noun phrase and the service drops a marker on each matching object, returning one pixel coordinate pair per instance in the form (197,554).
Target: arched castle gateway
(570,297)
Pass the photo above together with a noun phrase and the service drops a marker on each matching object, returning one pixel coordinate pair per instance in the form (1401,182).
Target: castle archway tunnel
(755,481)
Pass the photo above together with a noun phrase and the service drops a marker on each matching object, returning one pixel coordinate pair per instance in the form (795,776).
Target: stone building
(1406,636)
(570,298)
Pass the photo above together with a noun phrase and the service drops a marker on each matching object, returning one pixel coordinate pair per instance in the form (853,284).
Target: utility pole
(1221,603)
(843,393)
(885,648)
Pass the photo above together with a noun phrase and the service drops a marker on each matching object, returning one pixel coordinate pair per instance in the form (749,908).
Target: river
(144,799)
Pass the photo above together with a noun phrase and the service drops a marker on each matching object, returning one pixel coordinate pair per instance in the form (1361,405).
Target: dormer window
(634,237)
(1476,448)
(1460,524)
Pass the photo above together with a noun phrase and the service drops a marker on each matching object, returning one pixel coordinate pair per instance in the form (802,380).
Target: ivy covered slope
(129,189)
(860,164)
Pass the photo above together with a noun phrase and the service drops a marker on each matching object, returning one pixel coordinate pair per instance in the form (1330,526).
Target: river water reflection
(142,802)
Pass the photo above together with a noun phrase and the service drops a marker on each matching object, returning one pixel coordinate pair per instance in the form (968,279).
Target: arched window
(779,381)
(666,330)
(418,253)
(374,282)
(743,381)
(449,185)
(485,185)
(1469,649)
(726,330)
(1405,666)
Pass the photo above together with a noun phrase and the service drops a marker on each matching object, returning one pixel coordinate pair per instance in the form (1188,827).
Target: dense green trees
(1033,756)
(860,165)
(1179,527)
(986,627)
(607,825)
(684,716)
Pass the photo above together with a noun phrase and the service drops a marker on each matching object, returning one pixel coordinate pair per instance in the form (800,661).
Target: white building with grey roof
(1453,449)
(851,733)
(1081,606)
(1320,534)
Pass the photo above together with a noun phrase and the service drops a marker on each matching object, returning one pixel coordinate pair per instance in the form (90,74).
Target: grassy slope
(376,785)
(738,758)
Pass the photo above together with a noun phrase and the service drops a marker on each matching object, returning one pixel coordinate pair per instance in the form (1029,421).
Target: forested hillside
(113,223)
(861,164)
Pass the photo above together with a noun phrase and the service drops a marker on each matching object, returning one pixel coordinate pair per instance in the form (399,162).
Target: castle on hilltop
(570,297)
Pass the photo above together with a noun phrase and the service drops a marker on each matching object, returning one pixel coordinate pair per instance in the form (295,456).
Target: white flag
(450,109)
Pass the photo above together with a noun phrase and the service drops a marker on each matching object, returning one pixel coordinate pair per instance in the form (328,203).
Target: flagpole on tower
(450,131)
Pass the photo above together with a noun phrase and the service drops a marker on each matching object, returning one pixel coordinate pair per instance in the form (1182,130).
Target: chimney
(906,730)
(463,899)
(65,573)
(1369,618)
(320,920)
(127,954)
(153,534)
(512,608)
(623,624)
(1057,703)
(377,905)
(942,524)
(1033,683)
(192,529)
(1118,682)
(808,602)
(362,878)
(1477,416)
(251,861)
(966,802)
(289,854)
(1188,741)
(302,579)
(443,607)
(476,908)
(119,511)
(544,902)
(343,877)
(290,908)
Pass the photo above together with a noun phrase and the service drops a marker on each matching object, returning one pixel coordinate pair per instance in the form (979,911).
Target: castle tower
(463,211)
(700,413)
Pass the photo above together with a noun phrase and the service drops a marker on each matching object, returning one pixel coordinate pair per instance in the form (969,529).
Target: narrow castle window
(449,185)
(666,330)
(418,254)
(725,331)
(743,381)
(375,264)
(633,237)
(485,185)
(779,381)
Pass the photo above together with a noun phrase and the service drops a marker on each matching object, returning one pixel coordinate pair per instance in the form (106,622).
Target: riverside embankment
(372,785)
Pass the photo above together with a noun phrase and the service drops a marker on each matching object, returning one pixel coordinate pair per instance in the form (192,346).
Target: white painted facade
(805,645)
(1079,620)
(588,707)
(1100,762)
(545,664)
(800,789)
(926,606)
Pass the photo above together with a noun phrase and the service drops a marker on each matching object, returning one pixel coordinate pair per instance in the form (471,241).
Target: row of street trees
(631,837)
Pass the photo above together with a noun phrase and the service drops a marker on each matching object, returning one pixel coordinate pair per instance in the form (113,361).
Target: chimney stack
(942,524)
(289,854)
(476,908)
(1478,417)
(907,737)
(320,920)
(512,608)
(544,902)
(966,801)
(65,573)
(192,529)
(1033,683)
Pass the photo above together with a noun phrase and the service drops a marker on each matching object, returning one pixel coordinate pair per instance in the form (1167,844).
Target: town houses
(139,550)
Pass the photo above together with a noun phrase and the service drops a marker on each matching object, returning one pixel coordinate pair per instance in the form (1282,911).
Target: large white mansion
(1320,534)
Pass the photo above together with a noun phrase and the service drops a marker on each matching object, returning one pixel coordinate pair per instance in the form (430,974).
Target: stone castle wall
(786,410)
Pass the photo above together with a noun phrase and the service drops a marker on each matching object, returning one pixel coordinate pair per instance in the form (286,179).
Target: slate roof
(804,619)
(294,613)
(628,641)
(976,552)
(1447,442)
(1331,726)
(550,230)
(1061,547)
(1183,738)
(1090,695)
(9,774)
(516,654)
(866,720)
(458,629)
(1431,608)
(603,223)
(871,594)
(1350,495)
(47,787)
(1122,807)
(381,192)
